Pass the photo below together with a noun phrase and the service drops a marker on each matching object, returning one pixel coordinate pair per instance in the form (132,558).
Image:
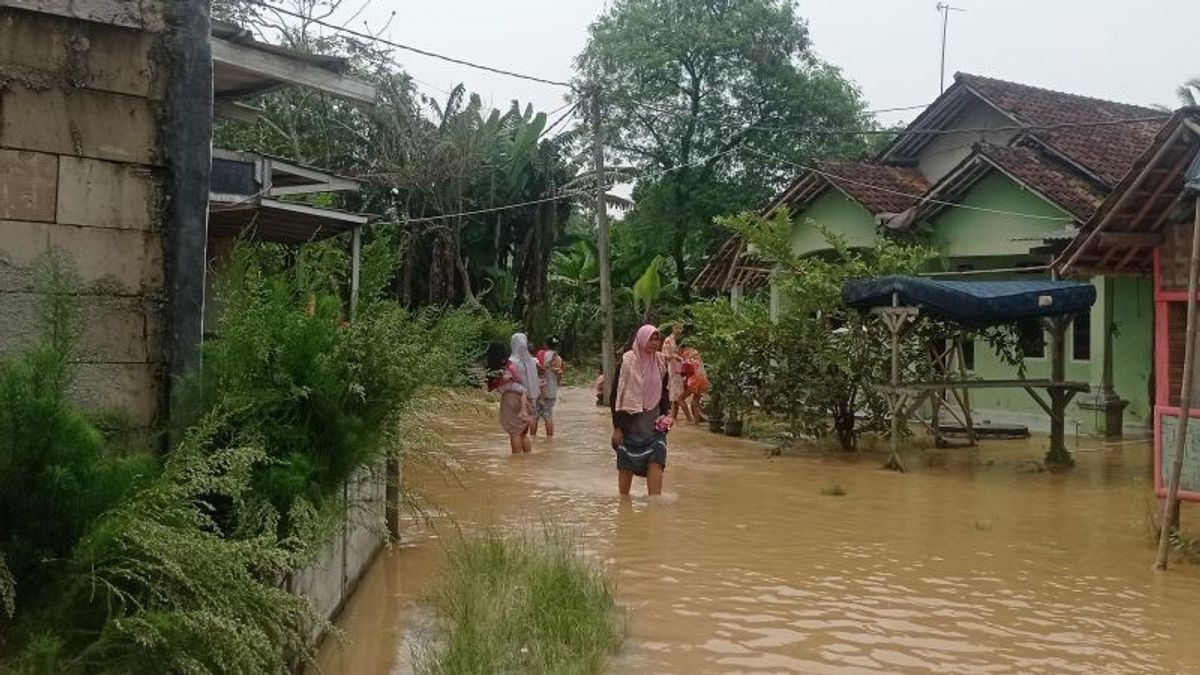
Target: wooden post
(896,320)
(1057,455)
(1185,398)
(391,497)
(607,357)
(964,400)
(355,267)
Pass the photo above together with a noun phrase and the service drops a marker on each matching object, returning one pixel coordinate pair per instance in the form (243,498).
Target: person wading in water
(640,413)
(517,382)
(675,378)
(552,367)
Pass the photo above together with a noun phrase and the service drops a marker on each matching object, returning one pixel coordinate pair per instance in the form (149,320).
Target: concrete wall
(945,152)
(330,580)
(836,213)
(81,171)
(972,233)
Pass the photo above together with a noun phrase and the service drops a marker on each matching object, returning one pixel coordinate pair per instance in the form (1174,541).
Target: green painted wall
(1133,345)
(983,240)
(838,214)
(966,233)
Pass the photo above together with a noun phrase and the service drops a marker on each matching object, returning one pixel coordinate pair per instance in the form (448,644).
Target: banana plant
(648,287)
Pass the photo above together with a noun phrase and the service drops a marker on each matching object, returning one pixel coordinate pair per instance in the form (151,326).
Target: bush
(56,475)
(526,604)
(158,585)
(288,373)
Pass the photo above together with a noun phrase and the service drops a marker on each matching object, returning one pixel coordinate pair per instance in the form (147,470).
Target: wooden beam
(1128,257)
(1131,239)
(1158,222)
(1077,251)
(913,387)
(1178,166)
(333,185)
(294,207)
(290,70)
(238,112)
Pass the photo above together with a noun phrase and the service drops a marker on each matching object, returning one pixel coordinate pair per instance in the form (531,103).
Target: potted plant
(716,422)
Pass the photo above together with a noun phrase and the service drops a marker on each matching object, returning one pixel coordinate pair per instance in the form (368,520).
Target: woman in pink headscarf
(640,413)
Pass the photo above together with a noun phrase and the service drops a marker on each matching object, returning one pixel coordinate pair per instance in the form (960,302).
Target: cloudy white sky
(1136,52)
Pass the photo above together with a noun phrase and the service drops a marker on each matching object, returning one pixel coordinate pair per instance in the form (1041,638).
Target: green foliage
(320,394)
(56,475)
(527,604)
(648,287)
(815,363)
(711,91)
(159,585)
(8,588)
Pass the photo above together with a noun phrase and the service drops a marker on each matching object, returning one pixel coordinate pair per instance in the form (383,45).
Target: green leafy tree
(816,362)
(706,90)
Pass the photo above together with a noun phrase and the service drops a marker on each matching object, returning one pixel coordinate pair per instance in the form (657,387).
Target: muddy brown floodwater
(971,563)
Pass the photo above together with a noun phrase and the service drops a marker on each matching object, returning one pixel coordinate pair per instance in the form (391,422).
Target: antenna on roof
(945,9)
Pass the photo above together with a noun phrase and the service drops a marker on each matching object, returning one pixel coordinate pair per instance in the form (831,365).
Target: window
(968,353)
(1081,337)
(1032,338)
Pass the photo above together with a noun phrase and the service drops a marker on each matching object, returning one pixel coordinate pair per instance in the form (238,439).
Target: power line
(493,69)
(834,131)
(917,198)
(409,48)
(563,195)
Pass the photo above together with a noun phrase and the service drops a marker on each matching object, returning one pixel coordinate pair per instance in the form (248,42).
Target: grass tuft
(834,491)
(526,603)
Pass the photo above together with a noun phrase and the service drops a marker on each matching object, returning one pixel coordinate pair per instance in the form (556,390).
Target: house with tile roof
(994,175)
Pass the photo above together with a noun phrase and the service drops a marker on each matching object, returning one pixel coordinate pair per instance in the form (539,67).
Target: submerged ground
(972,563)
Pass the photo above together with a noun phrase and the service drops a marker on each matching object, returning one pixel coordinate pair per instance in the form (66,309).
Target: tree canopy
(715,100)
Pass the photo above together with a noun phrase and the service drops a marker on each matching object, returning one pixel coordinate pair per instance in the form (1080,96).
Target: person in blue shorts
(551,366)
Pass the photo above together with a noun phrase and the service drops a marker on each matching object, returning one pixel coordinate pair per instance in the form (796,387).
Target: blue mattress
(973,303)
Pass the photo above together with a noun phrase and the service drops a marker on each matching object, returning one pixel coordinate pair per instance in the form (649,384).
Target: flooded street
(972,563)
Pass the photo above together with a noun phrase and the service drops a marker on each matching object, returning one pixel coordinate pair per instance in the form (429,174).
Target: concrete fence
(330,580)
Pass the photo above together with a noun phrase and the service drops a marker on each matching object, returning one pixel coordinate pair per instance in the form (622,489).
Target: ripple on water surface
(968,565)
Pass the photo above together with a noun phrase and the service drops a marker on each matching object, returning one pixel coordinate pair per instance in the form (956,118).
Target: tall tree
(704,90)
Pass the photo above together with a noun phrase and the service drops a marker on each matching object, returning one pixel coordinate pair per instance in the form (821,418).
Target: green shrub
(527,604)
(56,475)
(158,585)
(318,393)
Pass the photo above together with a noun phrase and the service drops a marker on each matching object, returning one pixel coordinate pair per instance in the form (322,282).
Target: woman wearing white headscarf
(518,387)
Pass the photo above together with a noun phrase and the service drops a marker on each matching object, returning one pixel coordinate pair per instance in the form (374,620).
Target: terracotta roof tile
(1106,151)
(879,188)
(1042,174)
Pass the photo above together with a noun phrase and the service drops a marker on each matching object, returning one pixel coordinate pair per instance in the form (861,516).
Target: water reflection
(973,563)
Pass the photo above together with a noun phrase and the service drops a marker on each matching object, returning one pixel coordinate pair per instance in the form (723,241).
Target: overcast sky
(1134,52)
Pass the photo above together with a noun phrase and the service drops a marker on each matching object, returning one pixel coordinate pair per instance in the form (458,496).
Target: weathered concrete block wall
(330,580)
(81,171)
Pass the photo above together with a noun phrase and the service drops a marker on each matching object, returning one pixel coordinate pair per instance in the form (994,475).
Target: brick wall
(81,93)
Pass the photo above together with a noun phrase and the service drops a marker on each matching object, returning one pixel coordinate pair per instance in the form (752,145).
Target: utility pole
(606,314)
(945,9)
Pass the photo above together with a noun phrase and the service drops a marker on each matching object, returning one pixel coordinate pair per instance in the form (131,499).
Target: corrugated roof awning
(244,200)
(274,220)
(244,67)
